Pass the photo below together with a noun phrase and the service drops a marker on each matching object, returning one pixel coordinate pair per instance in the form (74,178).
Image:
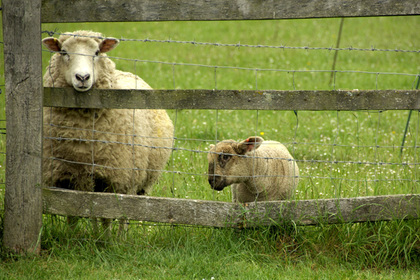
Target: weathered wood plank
(333,211)
(142,208)
(235,99)
(225,214)
(23,82)
(174,10)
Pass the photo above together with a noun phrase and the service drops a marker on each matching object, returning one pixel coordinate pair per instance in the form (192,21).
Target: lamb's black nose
(213,179)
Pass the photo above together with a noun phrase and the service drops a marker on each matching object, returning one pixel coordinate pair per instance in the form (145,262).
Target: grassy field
(341,154)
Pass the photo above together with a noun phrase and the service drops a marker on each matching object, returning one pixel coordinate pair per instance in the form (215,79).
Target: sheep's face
(79,58)
(229,162)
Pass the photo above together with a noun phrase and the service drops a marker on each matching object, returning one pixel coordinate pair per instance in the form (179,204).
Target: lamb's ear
(52,44)
(211,146)
(108,44)
(252,143)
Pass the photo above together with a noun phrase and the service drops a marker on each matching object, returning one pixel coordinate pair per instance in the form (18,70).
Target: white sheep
(257,170)
(105,150)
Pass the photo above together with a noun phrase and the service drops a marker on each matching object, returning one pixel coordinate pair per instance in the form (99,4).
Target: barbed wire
(250,68)
(379,163)
(240,45)
(263,69)
(233,176)
(415,146)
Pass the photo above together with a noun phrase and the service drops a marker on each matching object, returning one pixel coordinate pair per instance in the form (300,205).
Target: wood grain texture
(175,10)
(235,99)
(23,83)
(141,208)
(226,214)
(333,211)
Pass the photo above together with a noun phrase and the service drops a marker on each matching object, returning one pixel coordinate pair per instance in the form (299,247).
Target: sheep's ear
(252,143)
(52,44)
(211,146)
(108,44)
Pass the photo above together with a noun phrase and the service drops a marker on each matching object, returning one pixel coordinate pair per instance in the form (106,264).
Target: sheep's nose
(82,78)
(213,179)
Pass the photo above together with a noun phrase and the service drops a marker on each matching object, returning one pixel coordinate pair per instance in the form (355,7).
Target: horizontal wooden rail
(234,99)
(176,10)
(225,214)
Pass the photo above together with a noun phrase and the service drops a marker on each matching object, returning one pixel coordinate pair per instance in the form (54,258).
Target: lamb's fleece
(257,170)
(111,150)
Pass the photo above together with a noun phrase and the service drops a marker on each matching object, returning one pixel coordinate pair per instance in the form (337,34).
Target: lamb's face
(229,163)
(80,57)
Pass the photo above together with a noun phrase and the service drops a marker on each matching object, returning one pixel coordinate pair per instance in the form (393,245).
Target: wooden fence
(26,200)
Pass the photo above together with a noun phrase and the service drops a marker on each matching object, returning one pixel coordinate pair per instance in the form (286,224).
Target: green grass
(366,251)
(382,250)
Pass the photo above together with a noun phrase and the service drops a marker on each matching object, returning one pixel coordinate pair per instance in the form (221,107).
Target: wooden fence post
(23,81)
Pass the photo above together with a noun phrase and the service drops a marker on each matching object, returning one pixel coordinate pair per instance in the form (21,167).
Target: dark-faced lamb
(257,170)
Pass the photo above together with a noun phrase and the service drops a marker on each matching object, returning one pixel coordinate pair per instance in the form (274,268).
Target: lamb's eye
(63,52)
(97,53)
(224,157)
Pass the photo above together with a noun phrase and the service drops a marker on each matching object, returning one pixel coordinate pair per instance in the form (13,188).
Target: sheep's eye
(63,52)
(224,157)
(97,53)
